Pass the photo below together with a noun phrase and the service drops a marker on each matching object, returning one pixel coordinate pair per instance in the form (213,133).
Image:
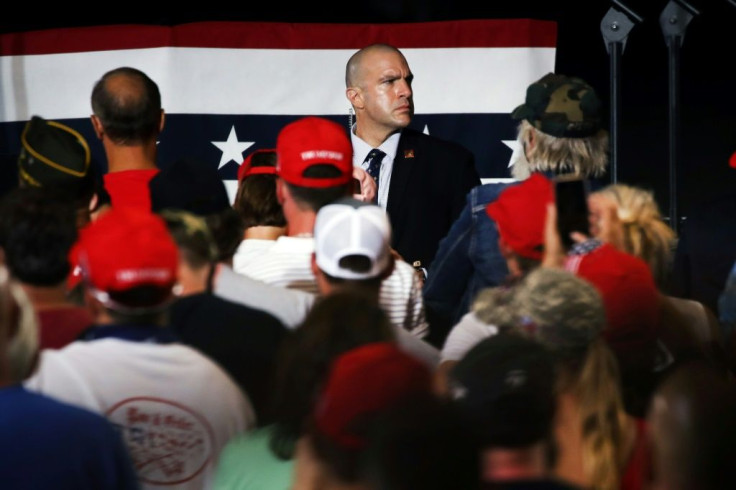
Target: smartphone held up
(571,200)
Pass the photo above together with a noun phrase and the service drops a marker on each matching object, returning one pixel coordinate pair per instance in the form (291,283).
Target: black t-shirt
(242,340)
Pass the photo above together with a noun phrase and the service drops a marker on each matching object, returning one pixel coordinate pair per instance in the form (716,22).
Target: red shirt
(61,326)
(130,187)
(639,463)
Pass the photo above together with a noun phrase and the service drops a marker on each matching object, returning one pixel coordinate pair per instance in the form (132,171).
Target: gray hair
(553,306)
(19,316)
(587,157)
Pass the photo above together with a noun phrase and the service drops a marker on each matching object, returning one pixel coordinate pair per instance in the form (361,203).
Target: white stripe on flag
(267,81)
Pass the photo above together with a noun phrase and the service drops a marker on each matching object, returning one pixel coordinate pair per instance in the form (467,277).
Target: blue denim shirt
(468,258)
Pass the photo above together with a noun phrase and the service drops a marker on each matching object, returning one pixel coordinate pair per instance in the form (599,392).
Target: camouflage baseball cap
(561,106)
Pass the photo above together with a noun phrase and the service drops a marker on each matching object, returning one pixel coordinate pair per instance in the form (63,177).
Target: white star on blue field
(232,149)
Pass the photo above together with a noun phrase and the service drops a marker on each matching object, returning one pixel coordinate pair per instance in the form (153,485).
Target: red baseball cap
(520,212)
(365,381)
(313,141)
(125,248)
(630,297)
(247,169)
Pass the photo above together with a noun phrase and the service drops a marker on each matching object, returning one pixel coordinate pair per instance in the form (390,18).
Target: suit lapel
(404,166)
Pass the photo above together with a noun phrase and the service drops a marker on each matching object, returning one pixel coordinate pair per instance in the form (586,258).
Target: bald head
(357,62)
(128,105)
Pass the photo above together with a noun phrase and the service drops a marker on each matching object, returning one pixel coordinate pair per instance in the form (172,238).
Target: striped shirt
(288,264)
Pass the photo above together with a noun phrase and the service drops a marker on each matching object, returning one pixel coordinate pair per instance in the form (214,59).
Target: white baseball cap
(349,227)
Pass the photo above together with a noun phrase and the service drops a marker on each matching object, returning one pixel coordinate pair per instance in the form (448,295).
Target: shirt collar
(361,148)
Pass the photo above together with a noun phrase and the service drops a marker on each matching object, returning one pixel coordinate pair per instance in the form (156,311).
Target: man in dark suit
(422,180)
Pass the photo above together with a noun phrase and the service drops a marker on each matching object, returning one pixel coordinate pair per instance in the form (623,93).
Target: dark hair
(417,440)
(335,324)
(342,461)
(315,198)
(89,187)
(358,263)
(355,264)
(257,204)
(227,230)
(144,305)
(37,230)
(80,193)
(422,442)
(256,200)
(693,428)
(130,114)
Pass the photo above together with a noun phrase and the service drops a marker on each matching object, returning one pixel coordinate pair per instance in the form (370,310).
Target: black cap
(504,386)
(53,155)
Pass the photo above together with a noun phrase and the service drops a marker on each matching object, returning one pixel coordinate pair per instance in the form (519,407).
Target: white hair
(20,316)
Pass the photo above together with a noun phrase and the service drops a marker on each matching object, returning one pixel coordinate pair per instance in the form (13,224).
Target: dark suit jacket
(429,182)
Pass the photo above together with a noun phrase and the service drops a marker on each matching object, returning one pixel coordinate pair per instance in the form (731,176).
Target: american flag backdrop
(228,87)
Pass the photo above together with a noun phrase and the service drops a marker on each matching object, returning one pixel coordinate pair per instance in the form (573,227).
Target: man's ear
(355,96)
(281,191)
(97,126)
(162,121)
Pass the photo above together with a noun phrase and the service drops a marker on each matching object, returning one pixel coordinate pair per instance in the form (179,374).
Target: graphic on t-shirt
(168,442)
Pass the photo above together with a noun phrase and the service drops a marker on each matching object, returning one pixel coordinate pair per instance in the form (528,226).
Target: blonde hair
(587,157)
(596,384)
(646,235)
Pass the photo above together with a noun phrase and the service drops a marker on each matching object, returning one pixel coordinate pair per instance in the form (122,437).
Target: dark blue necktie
(374,159)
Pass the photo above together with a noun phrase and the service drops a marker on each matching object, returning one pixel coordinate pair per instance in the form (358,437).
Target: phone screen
(571,197)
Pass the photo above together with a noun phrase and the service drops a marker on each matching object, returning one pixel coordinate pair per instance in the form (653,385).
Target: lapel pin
(408,153)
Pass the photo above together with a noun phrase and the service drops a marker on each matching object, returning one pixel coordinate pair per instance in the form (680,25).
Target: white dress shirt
(389,147)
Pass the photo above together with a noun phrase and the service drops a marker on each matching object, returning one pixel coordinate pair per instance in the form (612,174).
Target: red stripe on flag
(504,33)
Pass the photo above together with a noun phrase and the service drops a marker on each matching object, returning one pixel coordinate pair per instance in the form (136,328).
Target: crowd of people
(364,314)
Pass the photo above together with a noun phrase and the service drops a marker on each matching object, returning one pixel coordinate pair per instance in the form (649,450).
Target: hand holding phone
(571,199)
